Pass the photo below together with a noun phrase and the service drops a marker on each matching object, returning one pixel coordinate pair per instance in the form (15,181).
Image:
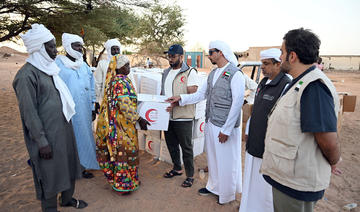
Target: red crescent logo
(149,145)
(202,127)
(147,115)
(182,79)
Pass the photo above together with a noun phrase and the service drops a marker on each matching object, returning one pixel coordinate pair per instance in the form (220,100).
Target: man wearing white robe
(223,144)
(257,193)
(112,47)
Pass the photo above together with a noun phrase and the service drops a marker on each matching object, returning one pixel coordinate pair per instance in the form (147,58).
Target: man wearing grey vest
(301,146)
(257,193)
(224,94)
(178,79)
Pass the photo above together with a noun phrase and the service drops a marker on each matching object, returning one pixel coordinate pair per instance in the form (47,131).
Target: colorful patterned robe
(116,143)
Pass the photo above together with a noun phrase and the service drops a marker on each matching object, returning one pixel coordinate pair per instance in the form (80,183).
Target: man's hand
(97,108)
(174,100)
(45,152)
(246,138)
(334,168)
(143,123)
(222,137)
(169,109)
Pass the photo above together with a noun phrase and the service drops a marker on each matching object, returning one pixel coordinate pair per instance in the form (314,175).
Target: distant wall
(341,62)
(253,53)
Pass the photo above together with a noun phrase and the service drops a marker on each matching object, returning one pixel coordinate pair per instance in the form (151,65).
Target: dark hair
(319,60)
(304,43)
(274,61)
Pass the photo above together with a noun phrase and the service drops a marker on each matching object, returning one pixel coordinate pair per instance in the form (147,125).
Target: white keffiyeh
(225,49)
(67,40)
(270,53)
(34,40)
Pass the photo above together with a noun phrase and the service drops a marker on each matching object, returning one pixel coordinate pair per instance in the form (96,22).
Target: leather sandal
(172,174)
(188,182)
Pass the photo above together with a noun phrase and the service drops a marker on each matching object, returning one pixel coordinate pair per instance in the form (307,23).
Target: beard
(285,67)
(175,64)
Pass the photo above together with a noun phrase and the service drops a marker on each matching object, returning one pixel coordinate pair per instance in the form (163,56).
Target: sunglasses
(212,51)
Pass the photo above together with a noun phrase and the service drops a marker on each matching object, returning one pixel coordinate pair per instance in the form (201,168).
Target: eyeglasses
(212,51)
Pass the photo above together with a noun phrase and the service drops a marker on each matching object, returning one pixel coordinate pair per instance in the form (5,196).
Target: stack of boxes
(148,81)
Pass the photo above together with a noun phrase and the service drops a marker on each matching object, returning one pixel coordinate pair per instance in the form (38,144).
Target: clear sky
(248,23)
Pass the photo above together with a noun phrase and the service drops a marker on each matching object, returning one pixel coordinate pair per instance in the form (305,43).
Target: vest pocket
(283,156)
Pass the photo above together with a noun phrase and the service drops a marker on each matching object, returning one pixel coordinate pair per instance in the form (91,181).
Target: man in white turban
(257,193)
(224,94)
(46,107)
(112,47)
(78,77)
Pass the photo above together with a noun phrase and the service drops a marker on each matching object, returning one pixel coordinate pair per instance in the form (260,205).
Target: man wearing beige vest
(301,146)
(224,94)
(178,79)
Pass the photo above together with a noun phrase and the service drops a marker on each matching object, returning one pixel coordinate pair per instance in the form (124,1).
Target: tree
(16,16)
(160,28)
(99,20)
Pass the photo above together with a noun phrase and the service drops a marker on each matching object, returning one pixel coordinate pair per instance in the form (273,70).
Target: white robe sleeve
(200,94)
(99,76)
(237,92)
(250,85)
(247,126)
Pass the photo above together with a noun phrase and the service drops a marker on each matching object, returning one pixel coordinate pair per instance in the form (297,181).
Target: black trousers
(50,204)
(180,133)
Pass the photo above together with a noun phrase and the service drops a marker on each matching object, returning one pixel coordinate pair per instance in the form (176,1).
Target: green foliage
(151,33)
(160,28)
(103,18)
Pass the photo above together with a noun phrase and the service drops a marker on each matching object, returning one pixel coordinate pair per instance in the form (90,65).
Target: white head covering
(109,44)
(121,61)
(67,40)
(226,50)
(35,37)
(34,40)
(270,53)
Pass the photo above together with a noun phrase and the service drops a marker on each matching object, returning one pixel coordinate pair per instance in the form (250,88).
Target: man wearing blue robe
(79,79)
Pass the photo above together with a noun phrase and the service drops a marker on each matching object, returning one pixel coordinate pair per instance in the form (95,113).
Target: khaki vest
(293,158)
(179,86)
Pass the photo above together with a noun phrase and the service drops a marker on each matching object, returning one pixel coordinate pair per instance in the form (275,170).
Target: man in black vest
(257,193)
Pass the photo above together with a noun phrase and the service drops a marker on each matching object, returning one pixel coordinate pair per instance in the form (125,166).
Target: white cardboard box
(198,148)
(152,146)
(198,129)
(200,109)
(156,114)
(141,139)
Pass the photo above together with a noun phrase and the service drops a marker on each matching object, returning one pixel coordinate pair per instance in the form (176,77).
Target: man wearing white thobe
(257,193)
(224,92)
(112,47)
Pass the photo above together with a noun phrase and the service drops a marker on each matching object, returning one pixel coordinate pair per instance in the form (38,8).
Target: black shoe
(78,204)
(204,192)
(87,174)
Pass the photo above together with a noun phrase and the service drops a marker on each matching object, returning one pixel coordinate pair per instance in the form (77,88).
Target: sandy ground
(156,193)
